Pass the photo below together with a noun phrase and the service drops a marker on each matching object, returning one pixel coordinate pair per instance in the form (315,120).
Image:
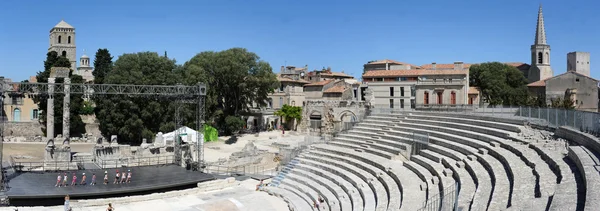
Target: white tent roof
(187,134)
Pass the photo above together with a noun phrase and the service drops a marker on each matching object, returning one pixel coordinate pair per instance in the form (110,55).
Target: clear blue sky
(336,33)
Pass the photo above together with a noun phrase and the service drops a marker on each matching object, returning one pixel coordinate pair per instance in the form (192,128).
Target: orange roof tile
(335,89)
(538,83)
(337,74)
(286,79)
(320,83)
(413,72)
(389,61)
(473,90)
(444,66)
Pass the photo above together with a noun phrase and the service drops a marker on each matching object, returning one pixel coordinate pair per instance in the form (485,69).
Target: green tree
(562,103)
(134,118)
(77,126)
(290,113)
(500,84)
(235,78)
(102,65)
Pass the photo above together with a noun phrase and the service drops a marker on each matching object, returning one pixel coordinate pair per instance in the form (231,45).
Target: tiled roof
(335,89)
(338,74)
(413,72)
(443,66)
(538,83)
(473,90)
(286,79)
(543,82)
(320,83)
(389,61)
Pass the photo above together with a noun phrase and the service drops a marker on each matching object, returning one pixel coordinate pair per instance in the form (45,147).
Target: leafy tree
(500,83)
(290,113)
(77,126)
(562,103)
(235,78)
(233,124)
(134,118)
(102,65)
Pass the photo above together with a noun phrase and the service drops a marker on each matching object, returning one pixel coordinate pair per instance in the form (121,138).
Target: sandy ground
(34,151)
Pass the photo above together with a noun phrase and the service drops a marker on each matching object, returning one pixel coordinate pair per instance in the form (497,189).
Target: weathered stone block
(482,151)
(447,172)
(494,144)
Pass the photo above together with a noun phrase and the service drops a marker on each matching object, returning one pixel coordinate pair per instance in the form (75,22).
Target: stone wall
(27,130)
(332,114)
(584,139)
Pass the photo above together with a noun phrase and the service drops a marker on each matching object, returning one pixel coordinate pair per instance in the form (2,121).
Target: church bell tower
(62,40)
(540,53)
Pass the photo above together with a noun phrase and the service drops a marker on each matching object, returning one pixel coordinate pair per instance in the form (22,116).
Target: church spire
(540,32)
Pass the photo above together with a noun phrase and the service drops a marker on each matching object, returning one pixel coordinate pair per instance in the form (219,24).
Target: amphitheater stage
(37,188)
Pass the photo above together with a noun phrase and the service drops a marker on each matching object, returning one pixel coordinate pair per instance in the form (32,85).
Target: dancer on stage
(83,178)
(74,182)
(65,180)
(129,176)
(58,180)
(105,177)
(117,178)
(123,177)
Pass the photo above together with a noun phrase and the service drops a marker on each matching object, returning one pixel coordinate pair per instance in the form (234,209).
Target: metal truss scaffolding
(180,94)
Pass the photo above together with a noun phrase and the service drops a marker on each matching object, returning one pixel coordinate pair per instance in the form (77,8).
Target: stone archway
(347,116)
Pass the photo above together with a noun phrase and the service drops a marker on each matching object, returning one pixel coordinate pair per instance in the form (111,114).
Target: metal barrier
(241,170)
(445,201)
(45,166)
(141,161)
(585,121)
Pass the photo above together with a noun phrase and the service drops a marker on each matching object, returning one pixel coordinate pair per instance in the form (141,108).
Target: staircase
(277,180)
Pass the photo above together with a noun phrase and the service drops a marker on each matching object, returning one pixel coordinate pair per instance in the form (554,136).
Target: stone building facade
(401,85)
(581,89)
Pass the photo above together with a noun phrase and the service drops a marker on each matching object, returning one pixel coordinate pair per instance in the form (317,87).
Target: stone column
(66,108)
(50,110)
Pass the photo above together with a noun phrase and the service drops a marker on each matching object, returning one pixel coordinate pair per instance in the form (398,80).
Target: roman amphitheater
(416,160)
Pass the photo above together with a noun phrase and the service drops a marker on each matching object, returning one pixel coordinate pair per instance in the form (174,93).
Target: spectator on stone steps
(110,207)
(105,177)
(67,206)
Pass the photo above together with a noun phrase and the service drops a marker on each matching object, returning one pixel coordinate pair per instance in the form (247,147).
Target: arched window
(426,98)
(59,38)
(453,98)
(64,53)
(69,40)
(17,115)
(540,58)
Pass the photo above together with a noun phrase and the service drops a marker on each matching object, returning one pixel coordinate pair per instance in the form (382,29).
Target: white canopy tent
(187,134)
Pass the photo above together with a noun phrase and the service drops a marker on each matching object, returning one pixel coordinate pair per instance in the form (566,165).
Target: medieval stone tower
(62,40)
(540,53)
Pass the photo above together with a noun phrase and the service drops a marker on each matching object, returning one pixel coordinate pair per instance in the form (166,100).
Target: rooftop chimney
(433,65)
(458,65)
(282,69)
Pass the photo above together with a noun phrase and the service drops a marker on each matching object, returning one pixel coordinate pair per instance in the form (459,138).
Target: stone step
(393,190)
(360,193)
(292,199)
(408,180)
(375,188)
(305,192)
(335,196)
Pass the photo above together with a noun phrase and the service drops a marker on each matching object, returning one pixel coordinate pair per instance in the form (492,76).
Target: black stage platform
(26,186)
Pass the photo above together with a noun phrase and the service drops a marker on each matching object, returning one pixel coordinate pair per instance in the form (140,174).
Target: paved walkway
(241,198)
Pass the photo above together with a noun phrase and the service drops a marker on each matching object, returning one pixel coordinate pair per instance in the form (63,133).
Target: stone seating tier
(323,187)
(588,164)
(292,199)
(359,191)
(367,172)
(406,179)
(521,180)
(498,176)
(544,172)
